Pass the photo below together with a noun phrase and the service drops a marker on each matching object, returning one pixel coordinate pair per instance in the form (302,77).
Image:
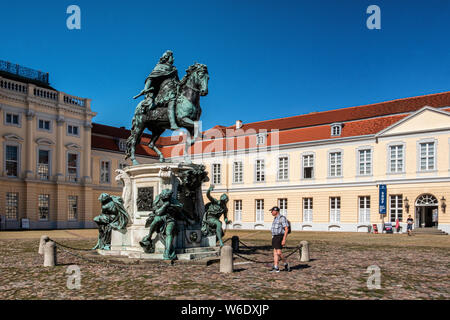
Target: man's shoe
(287,267)
(275,269)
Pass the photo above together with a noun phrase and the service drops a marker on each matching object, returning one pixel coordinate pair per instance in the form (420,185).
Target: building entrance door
(426,211)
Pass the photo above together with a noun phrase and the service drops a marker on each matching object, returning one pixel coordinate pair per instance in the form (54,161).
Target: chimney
(238,124)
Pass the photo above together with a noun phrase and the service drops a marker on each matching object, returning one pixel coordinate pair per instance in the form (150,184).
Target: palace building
(324,170)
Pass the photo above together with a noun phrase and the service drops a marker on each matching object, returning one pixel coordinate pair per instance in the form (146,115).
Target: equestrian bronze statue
(169,104)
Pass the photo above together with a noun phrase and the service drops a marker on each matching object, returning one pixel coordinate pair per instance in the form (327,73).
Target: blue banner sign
(382,201)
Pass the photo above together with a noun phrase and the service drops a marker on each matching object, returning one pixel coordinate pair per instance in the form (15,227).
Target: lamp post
(443,205)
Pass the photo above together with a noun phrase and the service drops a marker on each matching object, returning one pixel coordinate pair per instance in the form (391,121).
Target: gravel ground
(414,267)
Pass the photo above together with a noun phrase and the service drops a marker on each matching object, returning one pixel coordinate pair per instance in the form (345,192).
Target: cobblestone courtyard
(414,267)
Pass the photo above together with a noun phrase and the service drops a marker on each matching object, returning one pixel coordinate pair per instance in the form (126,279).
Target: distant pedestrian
(280,229)
(410,222)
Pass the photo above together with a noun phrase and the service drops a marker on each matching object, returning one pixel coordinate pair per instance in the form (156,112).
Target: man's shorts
(409,227)
(276,241)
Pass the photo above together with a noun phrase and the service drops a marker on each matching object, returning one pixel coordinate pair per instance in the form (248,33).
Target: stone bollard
(305,251)
(226,259)
(50,254)
(42,243)
(235,243)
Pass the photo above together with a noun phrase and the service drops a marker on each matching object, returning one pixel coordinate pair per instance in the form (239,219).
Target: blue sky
(267,59)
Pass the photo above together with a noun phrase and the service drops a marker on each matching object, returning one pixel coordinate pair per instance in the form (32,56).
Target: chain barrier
(68,247)
(296,249)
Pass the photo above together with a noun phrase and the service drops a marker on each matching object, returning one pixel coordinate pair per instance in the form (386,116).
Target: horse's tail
(131,139)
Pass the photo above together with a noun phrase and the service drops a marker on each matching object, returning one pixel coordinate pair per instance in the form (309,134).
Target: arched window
(426,200)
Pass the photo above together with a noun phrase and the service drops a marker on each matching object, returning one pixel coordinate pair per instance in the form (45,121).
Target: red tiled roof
(358,121)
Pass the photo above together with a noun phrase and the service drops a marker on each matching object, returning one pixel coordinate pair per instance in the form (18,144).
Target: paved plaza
(415,267)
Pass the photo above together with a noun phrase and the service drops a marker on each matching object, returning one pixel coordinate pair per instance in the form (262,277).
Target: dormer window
(122,145)
(336,129)
(261,139)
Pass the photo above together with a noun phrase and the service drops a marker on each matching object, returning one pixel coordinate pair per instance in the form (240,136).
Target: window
(72,130)
(335,209)
(259,210)
(12,118)
(396,158)
(12,205)
(216,173)
(12,161)
(335,164)
(336,129)
(237,210)
(427,156)
(260,175)
(44,206)
(43,164)
(307,209)
(44,125)
(261,139)
(73,207)
(122,145)
(365,162)
(282,204)
(364,209)
(283,168)
(104,171)
(238,172)
(308,166)
(72,167)
(396,207)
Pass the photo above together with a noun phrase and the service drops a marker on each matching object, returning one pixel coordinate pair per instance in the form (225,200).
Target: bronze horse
(187,110)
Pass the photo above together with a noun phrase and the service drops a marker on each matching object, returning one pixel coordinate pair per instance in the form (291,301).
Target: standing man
(280,229)
(410,222)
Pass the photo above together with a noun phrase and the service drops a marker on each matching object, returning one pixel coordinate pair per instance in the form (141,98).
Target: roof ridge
(346,108)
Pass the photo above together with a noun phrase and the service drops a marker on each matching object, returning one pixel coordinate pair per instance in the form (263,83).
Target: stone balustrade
(13,86)
(42,93)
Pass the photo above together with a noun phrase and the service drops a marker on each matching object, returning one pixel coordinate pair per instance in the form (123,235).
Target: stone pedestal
(142,183)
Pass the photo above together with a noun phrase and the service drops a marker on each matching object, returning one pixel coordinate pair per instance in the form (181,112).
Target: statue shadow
(300,267)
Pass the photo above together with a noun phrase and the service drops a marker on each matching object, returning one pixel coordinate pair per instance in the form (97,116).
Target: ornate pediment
(12,137)
(73,146)
(44,142)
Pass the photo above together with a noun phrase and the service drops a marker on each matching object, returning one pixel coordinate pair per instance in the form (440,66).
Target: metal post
(235,243)
(226,259)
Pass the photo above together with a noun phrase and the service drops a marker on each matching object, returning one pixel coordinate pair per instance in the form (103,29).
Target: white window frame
(283,168)
(77,176)
(307,205)
(12,113)
(49,130)
(364,210)
(259,210)
(39,149)
(48,207)
(260,170)
(73,125)
(368,164)
(18,146)
(69,218)
(8,206)
(390,158)
(308,155)
(238,172)
(105,173)
(216,173)
(283,205)
(397,209)
(237,210)
(336,129)
(261,139)
(336,164)
(419,155)
(335,213)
